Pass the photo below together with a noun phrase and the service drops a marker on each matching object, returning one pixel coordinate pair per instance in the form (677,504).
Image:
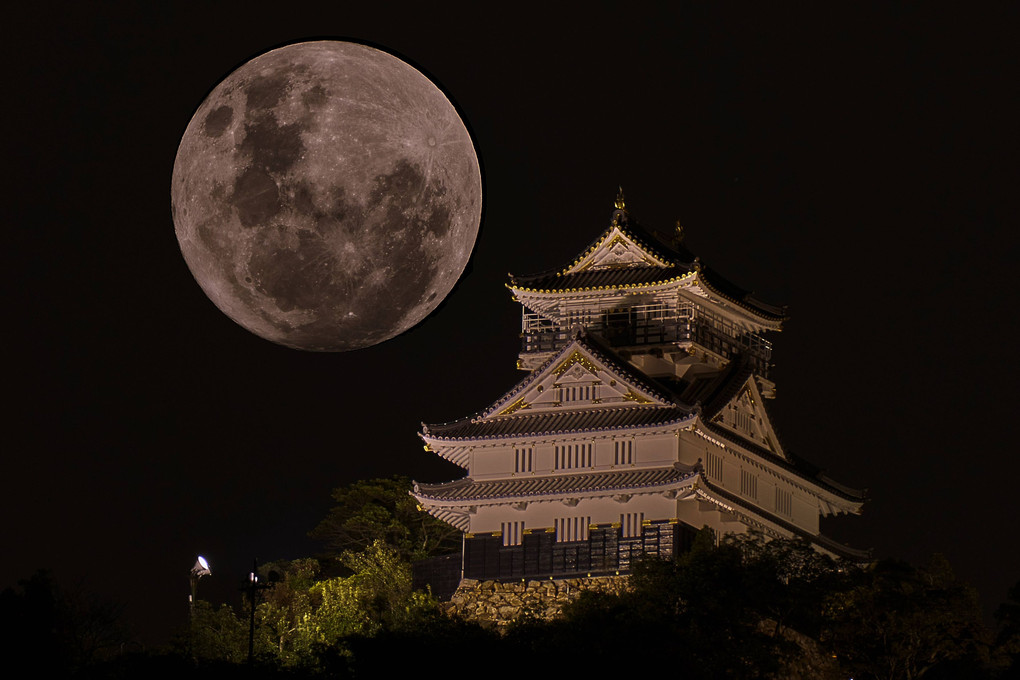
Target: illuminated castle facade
(642,419)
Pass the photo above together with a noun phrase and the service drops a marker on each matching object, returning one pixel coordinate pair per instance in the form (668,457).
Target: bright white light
(201,560)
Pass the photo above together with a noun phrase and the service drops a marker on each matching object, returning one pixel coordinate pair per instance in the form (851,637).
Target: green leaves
(384,510)
(300,617)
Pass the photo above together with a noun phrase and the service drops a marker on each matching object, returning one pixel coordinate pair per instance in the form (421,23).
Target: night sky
(850,163)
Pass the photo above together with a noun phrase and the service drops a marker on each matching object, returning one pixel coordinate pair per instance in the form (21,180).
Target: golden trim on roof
(514,407)
(576,358)
(635,397)
(620,230)
(621,286)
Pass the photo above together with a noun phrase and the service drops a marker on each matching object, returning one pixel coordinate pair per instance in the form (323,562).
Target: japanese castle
(641,420)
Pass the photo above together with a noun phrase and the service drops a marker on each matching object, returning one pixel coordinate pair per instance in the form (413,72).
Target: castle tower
(641,419)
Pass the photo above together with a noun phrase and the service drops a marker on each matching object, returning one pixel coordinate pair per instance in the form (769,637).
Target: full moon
(326,196)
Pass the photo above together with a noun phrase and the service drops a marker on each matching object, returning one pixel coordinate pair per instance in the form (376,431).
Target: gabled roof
(626,399)
(739,387)
(627,255)
(713,395)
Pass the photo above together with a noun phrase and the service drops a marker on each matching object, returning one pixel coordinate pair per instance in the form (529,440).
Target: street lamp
(200,569)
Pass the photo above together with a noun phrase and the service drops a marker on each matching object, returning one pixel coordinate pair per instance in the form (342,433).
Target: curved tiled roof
(612,277)
(798,466)
(844,551)
(727,385)
(682,262)
(556,422)
(468,489)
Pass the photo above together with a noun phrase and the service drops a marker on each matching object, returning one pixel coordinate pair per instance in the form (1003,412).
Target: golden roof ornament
(679,234)
(620,214)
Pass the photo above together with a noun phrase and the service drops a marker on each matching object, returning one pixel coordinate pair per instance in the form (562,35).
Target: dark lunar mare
(403,197)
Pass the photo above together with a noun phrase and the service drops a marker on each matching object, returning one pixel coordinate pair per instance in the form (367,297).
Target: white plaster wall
(805,512)
(698,514)
(543,459)
(494,461)
(730,472)
(766,492)
(540,515)
(658,450)
(604,452)
(691,448)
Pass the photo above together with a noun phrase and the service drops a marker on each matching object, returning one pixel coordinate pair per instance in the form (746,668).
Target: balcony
(647,326)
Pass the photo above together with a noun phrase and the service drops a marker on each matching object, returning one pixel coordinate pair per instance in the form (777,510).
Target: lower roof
(630,479)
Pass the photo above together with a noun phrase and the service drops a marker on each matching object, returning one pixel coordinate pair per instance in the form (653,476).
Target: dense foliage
(384,510)
(300,617)
(57,630)
(742,607)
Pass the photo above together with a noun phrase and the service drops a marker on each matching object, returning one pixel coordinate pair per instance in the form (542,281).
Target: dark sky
(850,163)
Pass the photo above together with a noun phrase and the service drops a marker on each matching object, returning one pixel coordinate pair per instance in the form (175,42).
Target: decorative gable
(616,249)
(577,378)
(745,416)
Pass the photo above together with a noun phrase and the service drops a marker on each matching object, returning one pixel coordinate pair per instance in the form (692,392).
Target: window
(784,502)
(631,523)
(713,466)
(572,456)
(572,529)
(623,452)
(512,532)
(523,459)
(749,484)
(580,393)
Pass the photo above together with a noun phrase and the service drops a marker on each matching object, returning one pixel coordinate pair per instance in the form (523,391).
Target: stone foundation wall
(495,603)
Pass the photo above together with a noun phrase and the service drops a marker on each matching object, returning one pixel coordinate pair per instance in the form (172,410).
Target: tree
(1007,641)
(302,618)
(376,596)
(788,580)
(383,509)
(58,630)
(217,634)
(705,608)
(901,622)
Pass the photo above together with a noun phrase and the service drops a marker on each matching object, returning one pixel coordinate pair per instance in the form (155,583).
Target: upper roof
(627,255)
(626,398)
(558,423)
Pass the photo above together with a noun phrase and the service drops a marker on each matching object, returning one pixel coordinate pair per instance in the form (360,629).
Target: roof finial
(679,234)
(619,200)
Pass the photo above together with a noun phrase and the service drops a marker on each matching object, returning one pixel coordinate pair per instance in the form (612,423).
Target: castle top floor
(654,303)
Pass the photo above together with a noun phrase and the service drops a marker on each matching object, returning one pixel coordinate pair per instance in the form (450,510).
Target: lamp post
(253,588)
(200,569)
